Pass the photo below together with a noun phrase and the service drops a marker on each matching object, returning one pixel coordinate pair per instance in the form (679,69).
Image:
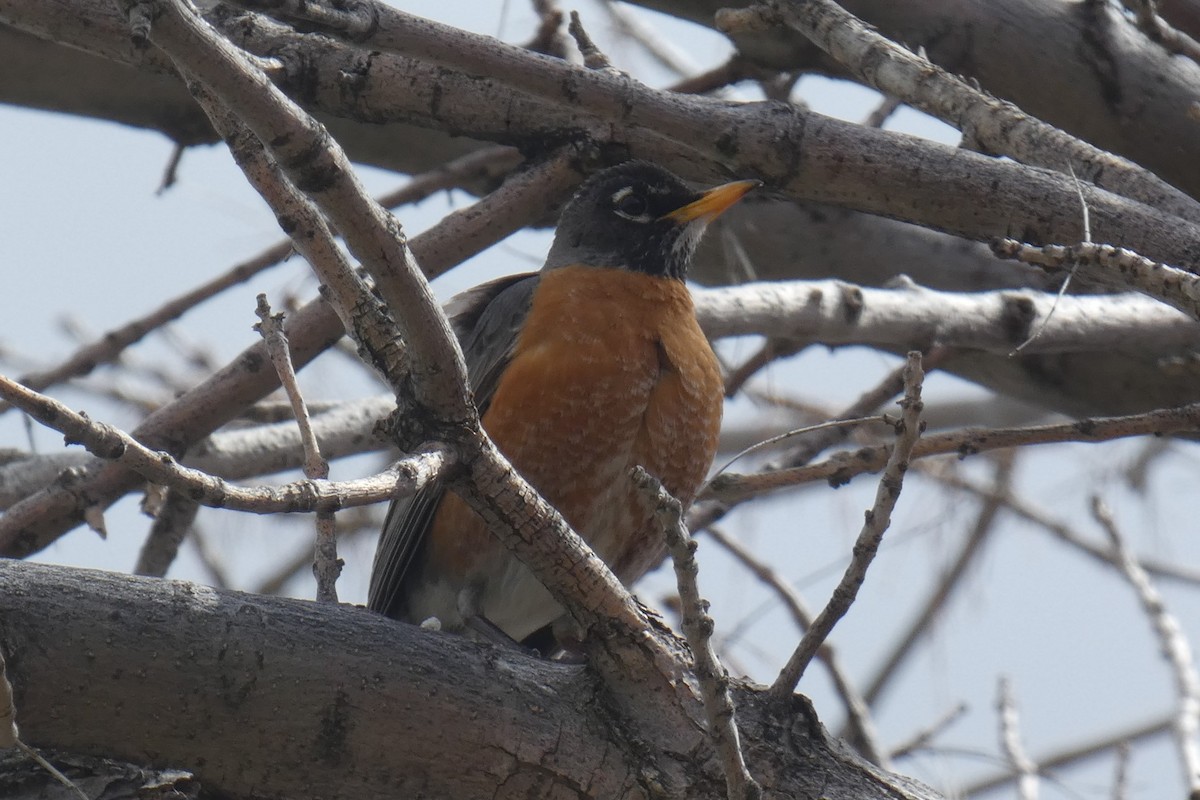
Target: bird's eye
(631,205)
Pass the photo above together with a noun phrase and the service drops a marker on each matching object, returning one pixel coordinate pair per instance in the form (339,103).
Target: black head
(640,217)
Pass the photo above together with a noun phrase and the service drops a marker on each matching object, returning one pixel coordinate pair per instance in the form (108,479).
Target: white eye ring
(630,205)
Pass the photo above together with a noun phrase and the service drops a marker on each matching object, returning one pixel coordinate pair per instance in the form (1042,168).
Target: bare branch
(998,127)
(834,312)
(950,579)
(922,738)
(1174,644)
(732,487)
(1114,266)
(210,559)
(868,402)
(1078,753)
(107,442)
(1159,30)
(719,710)
(108,347)
(858,714)
(1025,510)
(171,525)
(327,567)
(1022,765)
(878,518)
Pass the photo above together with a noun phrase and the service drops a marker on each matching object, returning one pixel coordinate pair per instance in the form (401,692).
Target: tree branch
(393,708)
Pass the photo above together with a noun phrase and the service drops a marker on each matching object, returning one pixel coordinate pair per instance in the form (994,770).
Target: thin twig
(1022,765)
(46,765)
(878,518)
(833,424)
(1120,790)
(105,441)
(771,350)
(1116,267)
(657,46)
(1076,754)
(862,408)
(593,56)
(327,567)
(839,469)
(1159,30)
(1066,283)
(921,739)
(1027,511)
(719,711)
(734,70)
(352,523)
(1174,644)
(706,513)
(935,604)
(171,171)
(862,731)
(210,557)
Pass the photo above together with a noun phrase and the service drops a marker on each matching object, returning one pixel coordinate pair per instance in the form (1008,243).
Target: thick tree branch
(988,124)
(804,155)
(1082,67)
(391,710)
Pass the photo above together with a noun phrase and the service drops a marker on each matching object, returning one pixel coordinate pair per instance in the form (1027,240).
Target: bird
(580,372)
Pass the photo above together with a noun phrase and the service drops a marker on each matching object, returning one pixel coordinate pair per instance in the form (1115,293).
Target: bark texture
(265,697)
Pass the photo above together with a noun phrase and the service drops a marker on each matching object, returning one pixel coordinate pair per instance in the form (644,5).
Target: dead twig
(952,578)
(1174,644)
(862,731)
(1022,765)
(1115,267)
(878,518)
(107,442)
(733,488)
(719,711)
(327,567)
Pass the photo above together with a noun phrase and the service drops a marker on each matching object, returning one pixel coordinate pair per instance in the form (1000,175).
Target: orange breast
(610,371)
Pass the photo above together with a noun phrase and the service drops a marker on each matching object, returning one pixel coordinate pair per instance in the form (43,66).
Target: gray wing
(487,320)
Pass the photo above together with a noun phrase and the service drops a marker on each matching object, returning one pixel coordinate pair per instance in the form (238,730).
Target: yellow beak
(713,202)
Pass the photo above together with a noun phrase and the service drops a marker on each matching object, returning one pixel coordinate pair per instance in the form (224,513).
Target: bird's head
(640,217)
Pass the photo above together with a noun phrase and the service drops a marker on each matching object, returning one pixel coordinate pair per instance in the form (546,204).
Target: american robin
(581,371)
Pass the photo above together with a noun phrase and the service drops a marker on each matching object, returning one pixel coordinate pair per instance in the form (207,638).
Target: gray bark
(266,697)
